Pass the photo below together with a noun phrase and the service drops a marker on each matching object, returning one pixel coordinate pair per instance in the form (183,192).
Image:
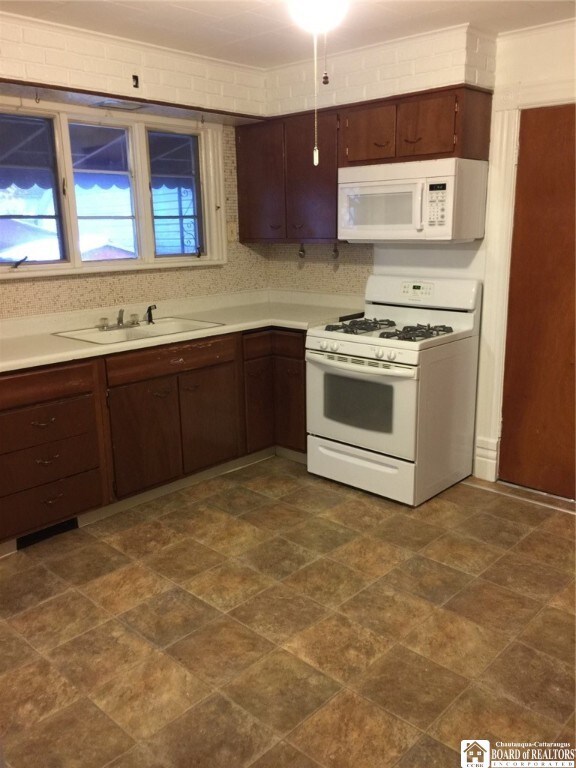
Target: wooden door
(260,172)
(537,445)
(311,190)
(368,134)
(426,126)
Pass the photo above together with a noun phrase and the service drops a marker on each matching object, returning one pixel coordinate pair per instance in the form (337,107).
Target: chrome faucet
(148,314)
(120,318)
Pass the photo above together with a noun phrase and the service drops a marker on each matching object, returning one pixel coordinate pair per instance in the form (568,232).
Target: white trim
(528,95)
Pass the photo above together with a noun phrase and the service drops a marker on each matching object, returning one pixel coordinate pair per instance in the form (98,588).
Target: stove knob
(324,345)
(379,354)
(334,346)
(391,355)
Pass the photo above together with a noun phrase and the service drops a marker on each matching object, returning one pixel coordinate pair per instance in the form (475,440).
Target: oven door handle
(396,371)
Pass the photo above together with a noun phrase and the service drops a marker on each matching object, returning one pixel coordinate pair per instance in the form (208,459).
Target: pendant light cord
(315,156)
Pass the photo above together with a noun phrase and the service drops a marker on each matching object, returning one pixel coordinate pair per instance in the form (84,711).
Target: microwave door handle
(394,371)
(420,225)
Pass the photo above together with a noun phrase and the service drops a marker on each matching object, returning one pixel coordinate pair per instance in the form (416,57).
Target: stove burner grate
(360,325)
(417,332)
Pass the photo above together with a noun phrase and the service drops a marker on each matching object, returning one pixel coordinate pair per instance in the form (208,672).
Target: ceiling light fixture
(317,17)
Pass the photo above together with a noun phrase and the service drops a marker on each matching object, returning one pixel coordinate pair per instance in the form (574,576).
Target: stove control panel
(417,291)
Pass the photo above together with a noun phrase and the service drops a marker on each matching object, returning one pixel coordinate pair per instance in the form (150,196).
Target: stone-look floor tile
(15,562)
(99,655)
(429,753)
(454,642)
(568,732)
(220,650)
(518,511)
(148,696)
(387,611)
(350,732)
(461,552)
(58,620)
(496,531)
(552,632)
(404,531)
(428,579)
(561,524)
(410,686)
(276,516)
(214,734)
(526,576)
(442,512)
(278,557)
(194,517)
(313,499)
(371,556)
(359,514)
(548,549)
(229,584)
(204,489)
(25,589)
(117,523)
(533,680)
(61,545)
(278,613)
(183,560)
(284,756)
(478,711)
(494,607)
(29,694)
(231,536)
(320,535)
(144,539)
(275,486)
(90,562)
(468,496)
(80,735)
(138,757)
(566,599)
(14,650)
(169,616)
(327,582)
(339,647)
(238,501)
(125,588)
(281,690)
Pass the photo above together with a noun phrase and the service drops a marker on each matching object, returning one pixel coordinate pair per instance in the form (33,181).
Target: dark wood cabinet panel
(260,173)
(426,126)
(209,416)
(311,191)
(368,134)
(145,427)
(40,385)
(259,403)
(290,403)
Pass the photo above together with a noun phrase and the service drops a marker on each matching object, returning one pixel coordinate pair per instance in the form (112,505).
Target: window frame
(211,161)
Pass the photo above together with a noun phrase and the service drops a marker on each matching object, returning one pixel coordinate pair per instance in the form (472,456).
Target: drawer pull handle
(275,226)
(53,500)
(192,388)
(298,226)
(177,361)
(44,462)
(42,424)
(381,146)
(162,393)
(206,345)
(413,141)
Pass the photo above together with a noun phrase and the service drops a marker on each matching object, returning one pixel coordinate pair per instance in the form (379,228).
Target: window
(175,186)
(87,190)
(30,219)
(103,192)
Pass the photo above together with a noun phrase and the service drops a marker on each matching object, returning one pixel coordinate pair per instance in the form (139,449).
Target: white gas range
(391,395)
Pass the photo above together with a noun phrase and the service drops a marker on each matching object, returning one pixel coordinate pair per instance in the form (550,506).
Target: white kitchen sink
(163,326)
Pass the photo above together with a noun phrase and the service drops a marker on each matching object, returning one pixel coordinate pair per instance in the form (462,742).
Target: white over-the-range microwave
(436,200)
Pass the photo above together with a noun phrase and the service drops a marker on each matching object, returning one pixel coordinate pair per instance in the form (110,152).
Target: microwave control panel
(437,195)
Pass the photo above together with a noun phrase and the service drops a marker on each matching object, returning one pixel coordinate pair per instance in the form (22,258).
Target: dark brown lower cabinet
(209,416)
(145,424)
(290,403)
(259,398)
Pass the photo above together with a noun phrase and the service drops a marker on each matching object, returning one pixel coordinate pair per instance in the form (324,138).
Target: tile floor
(272,619)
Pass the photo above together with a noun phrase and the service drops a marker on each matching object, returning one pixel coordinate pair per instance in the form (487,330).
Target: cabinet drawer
(257,344)
(289,344)
(39,424)
(30,510)
(160,361)
(47,384)
(45,463)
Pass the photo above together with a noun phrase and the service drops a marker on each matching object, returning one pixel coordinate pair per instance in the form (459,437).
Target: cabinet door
(290,403)
(426,126)
(311,190)
(145,426)
(368,134)
(209,413)
(260,170)
(259,400)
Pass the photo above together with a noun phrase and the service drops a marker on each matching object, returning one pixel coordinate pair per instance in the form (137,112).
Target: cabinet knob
(45,462)
(43,424)
(413,141)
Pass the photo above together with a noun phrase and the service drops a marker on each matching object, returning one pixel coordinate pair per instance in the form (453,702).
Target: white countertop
(30,342)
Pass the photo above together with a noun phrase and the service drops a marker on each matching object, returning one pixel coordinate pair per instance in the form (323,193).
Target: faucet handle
(148,314)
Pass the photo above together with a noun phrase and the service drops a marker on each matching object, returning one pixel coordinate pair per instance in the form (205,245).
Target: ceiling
(260,33)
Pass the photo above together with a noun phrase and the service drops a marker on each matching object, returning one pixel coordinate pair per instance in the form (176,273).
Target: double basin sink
(163,326)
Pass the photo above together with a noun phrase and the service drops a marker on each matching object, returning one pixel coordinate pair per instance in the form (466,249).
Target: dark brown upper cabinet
(369,134)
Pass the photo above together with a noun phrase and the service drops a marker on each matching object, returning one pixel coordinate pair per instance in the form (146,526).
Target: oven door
(369,404)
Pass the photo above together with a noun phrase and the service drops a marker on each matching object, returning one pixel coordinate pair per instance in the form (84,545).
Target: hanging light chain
(315,154)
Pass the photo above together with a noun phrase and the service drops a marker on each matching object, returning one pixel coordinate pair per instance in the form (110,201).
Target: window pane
(103,189)
(30,223)
(176,200)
